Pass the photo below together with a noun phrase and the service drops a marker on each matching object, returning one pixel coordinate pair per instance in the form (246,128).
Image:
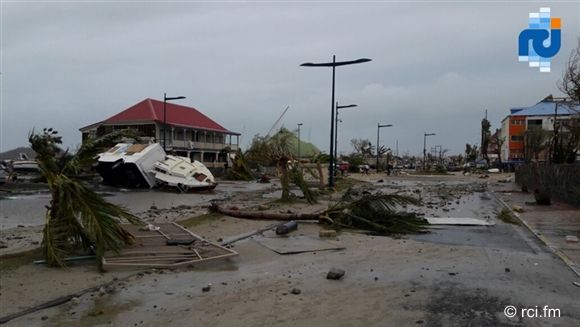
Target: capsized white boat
(130,165)
(185,175)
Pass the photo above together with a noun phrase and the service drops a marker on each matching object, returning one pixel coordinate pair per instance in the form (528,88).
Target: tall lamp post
(425,149)
(299,124)
(333,64)
(379,126)
(336,126)
(165,99)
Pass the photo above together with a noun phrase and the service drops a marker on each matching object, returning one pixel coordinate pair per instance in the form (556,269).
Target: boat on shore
(183,174)
(130,165)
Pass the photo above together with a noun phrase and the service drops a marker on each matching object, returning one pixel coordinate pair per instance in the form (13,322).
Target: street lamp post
(165,99)
(425,148)
(379,126)
(336,126)
(299,124)
(333,64)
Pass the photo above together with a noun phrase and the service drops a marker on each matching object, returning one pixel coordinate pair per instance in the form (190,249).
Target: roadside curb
(543,239)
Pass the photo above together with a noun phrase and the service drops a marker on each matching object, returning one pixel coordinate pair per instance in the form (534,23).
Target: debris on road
(335,274)
(295,244)
(517,208)
(286,227)
(169,246)
(571,239)
(376,212)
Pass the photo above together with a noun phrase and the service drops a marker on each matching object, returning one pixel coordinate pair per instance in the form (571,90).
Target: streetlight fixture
(165,99)
(336,126)
(379,126)
(299,124)
(425,148)
(333,64)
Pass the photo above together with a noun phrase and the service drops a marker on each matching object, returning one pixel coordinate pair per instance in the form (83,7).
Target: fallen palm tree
(376,213)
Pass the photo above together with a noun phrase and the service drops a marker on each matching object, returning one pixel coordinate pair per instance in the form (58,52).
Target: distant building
(189,132)
(21,153)
(522,119)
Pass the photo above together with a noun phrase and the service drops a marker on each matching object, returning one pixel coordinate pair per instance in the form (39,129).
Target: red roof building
(189,132)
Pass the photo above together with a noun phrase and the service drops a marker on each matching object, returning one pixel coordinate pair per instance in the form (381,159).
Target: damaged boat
(183,174)
(130,165)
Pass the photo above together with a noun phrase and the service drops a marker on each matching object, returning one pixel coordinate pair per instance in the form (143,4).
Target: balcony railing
(199,146)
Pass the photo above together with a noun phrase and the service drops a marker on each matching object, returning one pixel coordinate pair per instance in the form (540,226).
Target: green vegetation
(276,150)
(506,216)
(240,170)
(77,219)
(376,212)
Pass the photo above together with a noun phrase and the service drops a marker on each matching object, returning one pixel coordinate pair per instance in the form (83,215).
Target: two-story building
(189,133)
(539,116)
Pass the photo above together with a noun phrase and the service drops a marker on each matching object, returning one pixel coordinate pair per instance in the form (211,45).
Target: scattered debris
(376,212)
(151,248)
(493,170)
(295,244)
(571,239)
(506,216)
(286,227)
(506,180)
(206,289)
(295,291)
(235,212)
(517,208)
(335,274)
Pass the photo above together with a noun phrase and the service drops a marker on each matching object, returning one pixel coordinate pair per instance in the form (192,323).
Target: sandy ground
(450,277)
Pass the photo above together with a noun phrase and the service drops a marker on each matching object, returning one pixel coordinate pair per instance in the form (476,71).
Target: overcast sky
(436,66)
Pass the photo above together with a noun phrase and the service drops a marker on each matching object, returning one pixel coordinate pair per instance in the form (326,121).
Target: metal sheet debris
(164,248)
(459,221)
(296,244)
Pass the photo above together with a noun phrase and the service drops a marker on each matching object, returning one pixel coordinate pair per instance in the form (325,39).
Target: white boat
(24,164)
(185,175)
(130,165)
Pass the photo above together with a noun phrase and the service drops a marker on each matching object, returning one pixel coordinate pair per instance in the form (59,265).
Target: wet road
(29,210)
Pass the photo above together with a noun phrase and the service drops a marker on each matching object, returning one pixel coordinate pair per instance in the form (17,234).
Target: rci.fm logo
(545,34)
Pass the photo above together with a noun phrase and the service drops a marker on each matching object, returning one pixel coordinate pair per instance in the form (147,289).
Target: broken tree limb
(263,215)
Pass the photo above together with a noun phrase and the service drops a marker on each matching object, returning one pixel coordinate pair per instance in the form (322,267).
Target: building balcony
(198,146)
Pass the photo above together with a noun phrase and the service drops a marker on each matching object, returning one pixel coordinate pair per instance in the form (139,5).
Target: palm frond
(376,212)
(77,218)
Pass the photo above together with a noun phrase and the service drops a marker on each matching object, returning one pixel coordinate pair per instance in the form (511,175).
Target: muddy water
(29,210)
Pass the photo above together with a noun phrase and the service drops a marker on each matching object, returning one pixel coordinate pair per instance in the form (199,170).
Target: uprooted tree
(77,218)
(357,209)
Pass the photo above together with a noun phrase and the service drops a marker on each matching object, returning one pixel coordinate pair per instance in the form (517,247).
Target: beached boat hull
(183,174)
(130,165)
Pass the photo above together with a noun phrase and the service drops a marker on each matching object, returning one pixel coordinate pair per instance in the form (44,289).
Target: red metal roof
(177,115)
